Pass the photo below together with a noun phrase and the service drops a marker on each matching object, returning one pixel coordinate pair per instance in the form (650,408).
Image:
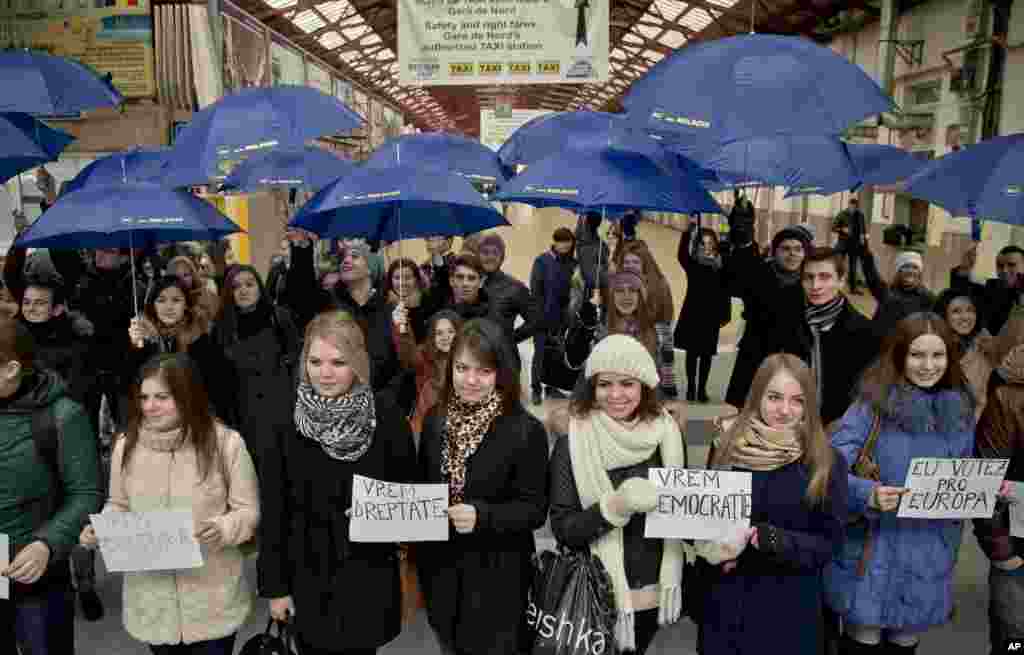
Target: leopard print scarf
(465,426)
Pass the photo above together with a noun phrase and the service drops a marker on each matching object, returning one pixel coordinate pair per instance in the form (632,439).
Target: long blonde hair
(818,455)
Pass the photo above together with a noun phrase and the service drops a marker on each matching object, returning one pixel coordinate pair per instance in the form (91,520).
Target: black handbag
(283,643)
(555,370)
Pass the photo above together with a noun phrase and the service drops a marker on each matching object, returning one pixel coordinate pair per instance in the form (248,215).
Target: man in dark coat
(835,340)
(906,294)
(851,227)
(551,286)
(773,302)
(1000,295)
(592,253)
(509,297)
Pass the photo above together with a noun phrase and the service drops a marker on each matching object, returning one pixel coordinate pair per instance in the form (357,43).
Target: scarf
(343,426)
(465,426)
(763,448)
(598,444)
(1012,368)
(822,318)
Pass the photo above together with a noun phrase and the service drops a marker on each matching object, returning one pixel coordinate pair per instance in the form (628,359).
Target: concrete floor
(966,635)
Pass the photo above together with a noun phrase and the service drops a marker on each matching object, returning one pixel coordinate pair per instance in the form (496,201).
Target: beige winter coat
(171,607)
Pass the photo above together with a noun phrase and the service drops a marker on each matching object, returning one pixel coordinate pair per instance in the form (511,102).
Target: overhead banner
(496,127)
(502,41)
(114,36)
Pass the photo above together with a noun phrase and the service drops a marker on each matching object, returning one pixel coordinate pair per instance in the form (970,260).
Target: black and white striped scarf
(822,318)
(343,426)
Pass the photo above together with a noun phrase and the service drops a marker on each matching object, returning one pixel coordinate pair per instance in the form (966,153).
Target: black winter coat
(346,594)
(65,348)
(476,584)
(774,312)
(707,307)
(510,299)
(846,350)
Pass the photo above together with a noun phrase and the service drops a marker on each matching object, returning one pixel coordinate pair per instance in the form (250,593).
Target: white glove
(670,605)
(716,552)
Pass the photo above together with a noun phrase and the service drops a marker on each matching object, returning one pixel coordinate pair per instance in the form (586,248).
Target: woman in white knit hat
(615,431)
(903,296)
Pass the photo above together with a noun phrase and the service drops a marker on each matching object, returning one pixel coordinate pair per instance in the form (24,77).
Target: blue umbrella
(38,83)
(872,164)
(249,121)
(308,167)
(450,152)
(135,165)
(596,174)
(26,143)
(395,203)
(754,85)
(547,134)
(983,181)
(125,216)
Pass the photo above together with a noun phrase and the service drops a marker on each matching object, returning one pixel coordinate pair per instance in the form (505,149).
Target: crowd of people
(178,381)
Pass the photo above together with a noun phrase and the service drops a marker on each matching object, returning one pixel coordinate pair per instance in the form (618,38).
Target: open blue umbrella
(982,181)
(251,121)
(395,203)
(545,135)
(597,174)
(754,85)
(26,143)
(308,167)
(125,216)
(134,165)
(450,152)
(38,83)
(872,163)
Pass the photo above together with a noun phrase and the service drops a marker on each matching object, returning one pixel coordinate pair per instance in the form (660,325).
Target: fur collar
(918,411)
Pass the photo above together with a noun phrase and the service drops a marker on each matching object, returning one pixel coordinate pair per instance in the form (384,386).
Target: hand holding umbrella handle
(401,318)
(136,332)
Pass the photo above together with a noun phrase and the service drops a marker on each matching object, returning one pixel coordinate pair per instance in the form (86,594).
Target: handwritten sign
(952,488)
(5,561)
(147,541)
(391,511)
(699,504)
(1017,510)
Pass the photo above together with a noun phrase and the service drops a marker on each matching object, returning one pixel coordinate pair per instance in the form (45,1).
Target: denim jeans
(222,646)
(40,623)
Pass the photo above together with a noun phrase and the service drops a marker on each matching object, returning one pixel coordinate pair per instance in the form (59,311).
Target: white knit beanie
(624,355)
(909,258)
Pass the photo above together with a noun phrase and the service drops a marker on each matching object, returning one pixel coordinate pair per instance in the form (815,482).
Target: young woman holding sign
(176,455)
(616,430)
(492,454)
(771,577)
(893,579)
(342,597)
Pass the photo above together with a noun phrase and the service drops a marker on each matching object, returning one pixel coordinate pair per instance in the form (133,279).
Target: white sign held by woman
(147,541)
(952,488)
(699,504)
(397,512)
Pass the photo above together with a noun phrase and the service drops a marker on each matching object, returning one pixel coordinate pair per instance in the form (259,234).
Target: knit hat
(625,279)
(797,232)
(493,241)
(624,355)
(909,258)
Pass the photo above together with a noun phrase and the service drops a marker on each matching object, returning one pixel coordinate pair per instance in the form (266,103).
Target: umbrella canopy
(601,175)
(450,152)
(26,143)
(395,203)
(135,165)
(754,85)
(984,181)
(39,83)
(545,135)
(872,164)
(308,167)
(122,216)
(250,121)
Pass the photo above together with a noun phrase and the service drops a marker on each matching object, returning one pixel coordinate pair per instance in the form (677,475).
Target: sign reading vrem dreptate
(502,41)
(952,488)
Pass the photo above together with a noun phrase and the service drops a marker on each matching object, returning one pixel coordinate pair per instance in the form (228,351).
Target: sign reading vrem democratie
(502,41)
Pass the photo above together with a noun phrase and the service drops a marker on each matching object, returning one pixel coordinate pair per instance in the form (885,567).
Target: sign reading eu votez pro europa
(502,41)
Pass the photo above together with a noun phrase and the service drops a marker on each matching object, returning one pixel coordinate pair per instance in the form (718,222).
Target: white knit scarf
(598,444)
